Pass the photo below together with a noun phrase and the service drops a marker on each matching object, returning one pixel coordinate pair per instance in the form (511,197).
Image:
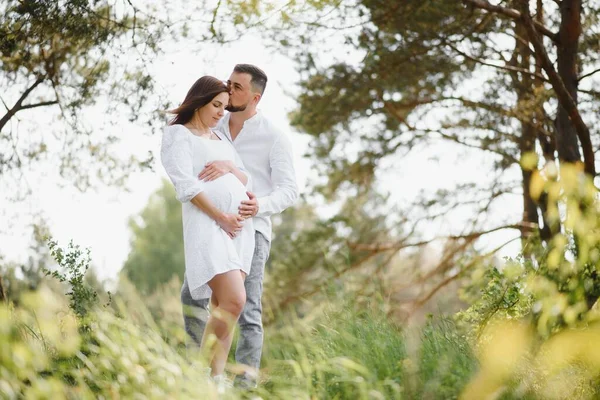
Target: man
(267,155)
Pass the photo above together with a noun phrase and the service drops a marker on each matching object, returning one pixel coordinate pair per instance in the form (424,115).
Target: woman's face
(211,113)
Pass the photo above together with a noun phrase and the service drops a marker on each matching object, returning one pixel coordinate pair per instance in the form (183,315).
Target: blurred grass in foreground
(338,351)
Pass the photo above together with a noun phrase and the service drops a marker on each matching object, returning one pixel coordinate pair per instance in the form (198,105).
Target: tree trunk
(568,63)
(2,293)
(547,142)
(570,30)
(523,85)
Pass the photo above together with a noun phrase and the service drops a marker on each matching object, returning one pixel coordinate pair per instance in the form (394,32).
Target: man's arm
(283,177)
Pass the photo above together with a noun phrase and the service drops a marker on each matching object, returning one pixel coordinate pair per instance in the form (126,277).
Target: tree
(62,59)
(18,278)
(409,88)
(156,253)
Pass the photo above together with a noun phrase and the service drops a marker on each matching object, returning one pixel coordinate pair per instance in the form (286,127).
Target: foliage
(160,310)
(72,266)
(565,284)
(312,257)
(18,278)
(531,321)
(60,60)
(42,354)
(156,254)
(456,79)
(494,294)
(339,351)
(558,287)
(342,349)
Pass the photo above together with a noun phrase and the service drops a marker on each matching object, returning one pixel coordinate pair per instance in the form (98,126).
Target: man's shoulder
(268,127)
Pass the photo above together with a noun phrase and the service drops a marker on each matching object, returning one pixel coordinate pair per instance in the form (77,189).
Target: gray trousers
(250,342)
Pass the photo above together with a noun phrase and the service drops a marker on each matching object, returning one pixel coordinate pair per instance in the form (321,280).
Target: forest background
(446,243)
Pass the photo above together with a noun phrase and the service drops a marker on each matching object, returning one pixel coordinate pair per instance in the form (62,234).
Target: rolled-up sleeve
(283,177)
(176,157)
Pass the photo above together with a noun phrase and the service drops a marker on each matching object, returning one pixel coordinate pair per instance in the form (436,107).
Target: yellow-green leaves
(529,161)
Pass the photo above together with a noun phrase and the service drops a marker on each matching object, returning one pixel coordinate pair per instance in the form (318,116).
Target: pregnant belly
(226,193)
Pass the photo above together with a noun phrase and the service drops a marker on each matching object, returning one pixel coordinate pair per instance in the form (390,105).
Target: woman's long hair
(200,94)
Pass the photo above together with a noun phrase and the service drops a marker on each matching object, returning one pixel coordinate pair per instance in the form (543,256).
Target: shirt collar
(253,120)
(223,128)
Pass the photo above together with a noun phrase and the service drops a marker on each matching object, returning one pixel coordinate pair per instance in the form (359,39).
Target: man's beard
(231,108)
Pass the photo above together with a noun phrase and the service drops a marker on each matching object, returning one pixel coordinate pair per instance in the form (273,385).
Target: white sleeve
(176,157)
(283,177)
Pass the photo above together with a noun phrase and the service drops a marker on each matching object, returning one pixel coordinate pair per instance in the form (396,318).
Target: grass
(338,351)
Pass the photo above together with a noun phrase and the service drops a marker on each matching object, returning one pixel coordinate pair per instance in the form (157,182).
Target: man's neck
(237,119)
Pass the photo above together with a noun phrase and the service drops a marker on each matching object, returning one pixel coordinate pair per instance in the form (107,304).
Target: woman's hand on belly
(216,169)
(230,223)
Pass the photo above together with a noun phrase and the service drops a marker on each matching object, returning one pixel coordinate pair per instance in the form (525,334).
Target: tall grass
(339,351)
(446,362)
(342,352)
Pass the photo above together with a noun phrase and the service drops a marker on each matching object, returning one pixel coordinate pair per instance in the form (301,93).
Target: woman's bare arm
(216,169)
(230,223)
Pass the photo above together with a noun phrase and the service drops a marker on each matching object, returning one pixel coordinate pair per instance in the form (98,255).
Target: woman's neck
(197,125)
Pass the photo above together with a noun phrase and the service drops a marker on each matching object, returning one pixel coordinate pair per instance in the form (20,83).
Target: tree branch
(214,18)
(455,139)
(19,104)
(514,14)
(380,247)
(592,93)
(502,67)
(40,104)
(588,74)
(420,302)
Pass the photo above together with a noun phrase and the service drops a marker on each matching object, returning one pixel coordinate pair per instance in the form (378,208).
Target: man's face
(241,94)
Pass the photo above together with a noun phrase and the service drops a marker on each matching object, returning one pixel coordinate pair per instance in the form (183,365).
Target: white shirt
(267,155)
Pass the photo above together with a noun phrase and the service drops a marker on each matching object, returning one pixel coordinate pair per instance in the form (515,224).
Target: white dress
(209,251)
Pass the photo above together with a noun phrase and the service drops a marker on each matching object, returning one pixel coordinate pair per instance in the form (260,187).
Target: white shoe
(222,383)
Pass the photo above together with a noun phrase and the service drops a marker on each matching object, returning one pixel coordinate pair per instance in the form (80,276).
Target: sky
(98,219)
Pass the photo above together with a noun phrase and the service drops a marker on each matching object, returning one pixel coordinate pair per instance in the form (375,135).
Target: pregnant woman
(218,242)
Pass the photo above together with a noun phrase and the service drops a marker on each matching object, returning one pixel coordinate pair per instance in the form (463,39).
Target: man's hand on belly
(215,169)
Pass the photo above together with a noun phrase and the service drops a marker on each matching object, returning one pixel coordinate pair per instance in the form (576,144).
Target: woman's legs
(228,300)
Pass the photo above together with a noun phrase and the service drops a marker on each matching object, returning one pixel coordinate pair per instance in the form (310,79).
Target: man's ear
(257,97)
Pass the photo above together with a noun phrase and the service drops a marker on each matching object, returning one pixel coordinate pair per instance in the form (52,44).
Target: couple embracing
(231,172)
